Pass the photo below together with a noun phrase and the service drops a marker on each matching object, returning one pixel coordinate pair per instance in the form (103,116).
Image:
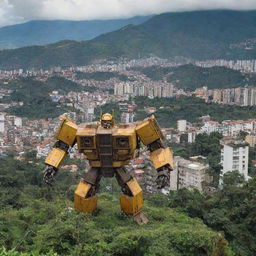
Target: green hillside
(37,219)
(101,76)
(196,35)
(64,53)
(35,97)
(190,77)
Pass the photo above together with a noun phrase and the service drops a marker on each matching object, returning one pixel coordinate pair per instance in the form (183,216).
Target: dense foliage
(190,77)
(101,76)
(40,220)
(251,166)
(63,85)
(231,210)
(36,100)
(191,109)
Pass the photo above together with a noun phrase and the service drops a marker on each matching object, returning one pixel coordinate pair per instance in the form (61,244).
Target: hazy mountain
(40,32)
(197,35)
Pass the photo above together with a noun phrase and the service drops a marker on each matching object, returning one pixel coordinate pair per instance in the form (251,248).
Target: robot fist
(49,174)
(163,178)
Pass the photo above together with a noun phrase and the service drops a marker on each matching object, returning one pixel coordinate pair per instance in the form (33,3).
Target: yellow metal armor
(108,148)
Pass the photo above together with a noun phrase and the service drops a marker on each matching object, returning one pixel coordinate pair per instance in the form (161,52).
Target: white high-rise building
(127,117)
(2,122)
(17,121)
(182,125)
(234,157)
(119,89)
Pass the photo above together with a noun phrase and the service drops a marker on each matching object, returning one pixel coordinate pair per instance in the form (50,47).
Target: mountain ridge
(40,32)
(198,35)
(207,34)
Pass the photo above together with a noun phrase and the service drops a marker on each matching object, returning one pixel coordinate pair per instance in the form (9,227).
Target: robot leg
(131,199)
(85,198)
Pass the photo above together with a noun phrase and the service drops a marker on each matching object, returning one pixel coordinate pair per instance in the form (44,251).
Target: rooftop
(234,143)
(190,164)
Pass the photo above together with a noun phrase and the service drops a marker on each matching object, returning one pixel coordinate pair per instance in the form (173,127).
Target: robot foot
(140,218)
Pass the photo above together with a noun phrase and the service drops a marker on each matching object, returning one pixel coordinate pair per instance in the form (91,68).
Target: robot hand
(163,178)
(49,174)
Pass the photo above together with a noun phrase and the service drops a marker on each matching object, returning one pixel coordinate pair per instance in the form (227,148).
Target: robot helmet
(107,120)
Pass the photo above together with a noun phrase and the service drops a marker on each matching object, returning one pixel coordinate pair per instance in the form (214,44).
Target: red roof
(138,161)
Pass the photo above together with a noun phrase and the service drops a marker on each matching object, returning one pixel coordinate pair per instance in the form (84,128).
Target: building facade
(182,125)
(188,174)
(234,157)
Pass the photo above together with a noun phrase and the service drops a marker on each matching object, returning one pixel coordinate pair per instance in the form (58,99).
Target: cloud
(5,13)
(14,11)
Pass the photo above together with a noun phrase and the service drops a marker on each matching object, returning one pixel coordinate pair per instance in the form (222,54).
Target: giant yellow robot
(109,147)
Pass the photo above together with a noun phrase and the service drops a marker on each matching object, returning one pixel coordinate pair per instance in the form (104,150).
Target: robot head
(107,121)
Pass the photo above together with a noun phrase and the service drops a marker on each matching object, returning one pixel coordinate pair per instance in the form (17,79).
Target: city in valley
(121,84)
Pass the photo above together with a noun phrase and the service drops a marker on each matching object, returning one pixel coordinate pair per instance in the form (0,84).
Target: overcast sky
(17,11)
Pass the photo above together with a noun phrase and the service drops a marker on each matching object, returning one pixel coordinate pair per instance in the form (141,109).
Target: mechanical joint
(61,145)
(155,145)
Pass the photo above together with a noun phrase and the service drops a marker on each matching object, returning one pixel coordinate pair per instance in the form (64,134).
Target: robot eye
(123,142)
(86,141)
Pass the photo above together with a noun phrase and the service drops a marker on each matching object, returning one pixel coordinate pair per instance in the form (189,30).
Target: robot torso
(107,148)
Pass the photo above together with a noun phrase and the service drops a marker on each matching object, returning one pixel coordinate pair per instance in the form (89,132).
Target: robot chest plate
(107,145)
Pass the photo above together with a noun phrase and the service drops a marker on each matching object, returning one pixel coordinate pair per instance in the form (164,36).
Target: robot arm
(150,134)
(66,138)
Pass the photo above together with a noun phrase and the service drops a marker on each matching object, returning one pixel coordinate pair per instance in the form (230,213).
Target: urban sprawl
(22,134)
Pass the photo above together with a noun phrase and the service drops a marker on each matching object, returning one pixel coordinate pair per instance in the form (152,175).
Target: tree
(233,178)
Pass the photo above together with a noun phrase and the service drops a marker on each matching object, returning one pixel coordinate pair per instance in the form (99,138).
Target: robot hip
(107,172)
